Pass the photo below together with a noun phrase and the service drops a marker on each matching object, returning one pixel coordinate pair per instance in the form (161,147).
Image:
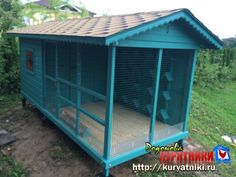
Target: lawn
(213,114)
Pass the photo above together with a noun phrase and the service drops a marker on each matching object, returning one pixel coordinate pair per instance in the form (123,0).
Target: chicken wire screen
(173,92)
(135,72)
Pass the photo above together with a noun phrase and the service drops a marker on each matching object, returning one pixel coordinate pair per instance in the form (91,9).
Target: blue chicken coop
(113,83)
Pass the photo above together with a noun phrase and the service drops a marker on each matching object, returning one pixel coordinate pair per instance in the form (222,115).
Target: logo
(221,154)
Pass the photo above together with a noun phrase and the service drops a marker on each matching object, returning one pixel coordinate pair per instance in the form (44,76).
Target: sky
(217,15)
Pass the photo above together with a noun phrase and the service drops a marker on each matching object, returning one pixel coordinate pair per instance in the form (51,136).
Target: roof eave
(80,39)
(185,14)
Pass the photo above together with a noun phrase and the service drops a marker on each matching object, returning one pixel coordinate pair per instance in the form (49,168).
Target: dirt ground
(44,151)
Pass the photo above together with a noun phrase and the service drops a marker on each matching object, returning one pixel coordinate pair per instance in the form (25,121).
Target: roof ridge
(118,15)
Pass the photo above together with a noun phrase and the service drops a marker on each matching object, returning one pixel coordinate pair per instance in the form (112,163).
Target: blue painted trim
(109,101)
(190,89)
(83,89)
(79,39)
(78,93)
(93,93)
(69,132)
(142,28)
(204,31)
(183,14)
(50,78)
(66,82)
(43,74)
(156,44)
(57,83)
(141,151)
(67,101)
(92,116)
(155,97)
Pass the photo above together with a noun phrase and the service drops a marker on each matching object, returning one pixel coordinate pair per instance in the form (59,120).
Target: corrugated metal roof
(96,26)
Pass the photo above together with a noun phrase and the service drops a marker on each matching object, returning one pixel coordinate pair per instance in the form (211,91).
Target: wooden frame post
(57,82)
(109,105)
(155,97)
(78,82)
(190,89)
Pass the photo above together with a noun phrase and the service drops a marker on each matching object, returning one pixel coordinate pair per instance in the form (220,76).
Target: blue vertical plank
(43,74)
(109,102)
(57,83)
(78,72)
(190,89)
(155,97)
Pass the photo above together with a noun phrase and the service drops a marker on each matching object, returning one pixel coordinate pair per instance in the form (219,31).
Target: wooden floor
(128,125)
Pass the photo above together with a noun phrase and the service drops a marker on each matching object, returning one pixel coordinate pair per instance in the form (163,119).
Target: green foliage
(213,115)
(215,66)
(229,42)
(8,102)
(40,14)
(10,168)
(10,17)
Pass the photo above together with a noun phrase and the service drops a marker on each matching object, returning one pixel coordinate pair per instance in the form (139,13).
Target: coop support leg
(153,116)
(44,120)
(181,143)
(109,107)
(105,173)
(23,101)
(190,89)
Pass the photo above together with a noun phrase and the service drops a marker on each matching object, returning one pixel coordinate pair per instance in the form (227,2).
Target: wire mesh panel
(50,74)
(67,61)
(92,133)
(50,96)
(173,92)
(67,79)
(68,104)
(92,91)
(133,96)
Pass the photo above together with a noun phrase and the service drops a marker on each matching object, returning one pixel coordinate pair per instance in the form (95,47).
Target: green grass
(8,102)
(10,168)
(213,114)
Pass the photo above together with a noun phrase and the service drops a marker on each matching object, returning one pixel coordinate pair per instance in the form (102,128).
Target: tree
(10,17)
(40,14)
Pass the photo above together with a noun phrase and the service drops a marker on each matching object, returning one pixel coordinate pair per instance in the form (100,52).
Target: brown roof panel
(94,27)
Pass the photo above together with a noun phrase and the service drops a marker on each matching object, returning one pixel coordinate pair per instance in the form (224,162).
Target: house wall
(32,82)
(174,35)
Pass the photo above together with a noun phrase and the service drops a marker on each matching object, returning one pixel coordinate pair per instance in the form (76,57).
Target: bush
(9,66)
(215,66)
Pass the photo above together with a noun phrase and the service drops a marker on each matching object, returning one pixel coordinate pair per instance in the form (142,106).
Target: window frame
(32,52)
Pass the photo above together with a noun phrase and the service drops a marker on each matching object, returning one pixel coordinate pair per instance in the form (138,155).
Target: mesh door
(173,89)
(133,97)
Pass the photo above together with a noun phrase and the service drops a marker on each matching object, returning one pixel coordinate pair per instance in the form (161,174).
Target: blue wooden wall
(32,82)
(172,35)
